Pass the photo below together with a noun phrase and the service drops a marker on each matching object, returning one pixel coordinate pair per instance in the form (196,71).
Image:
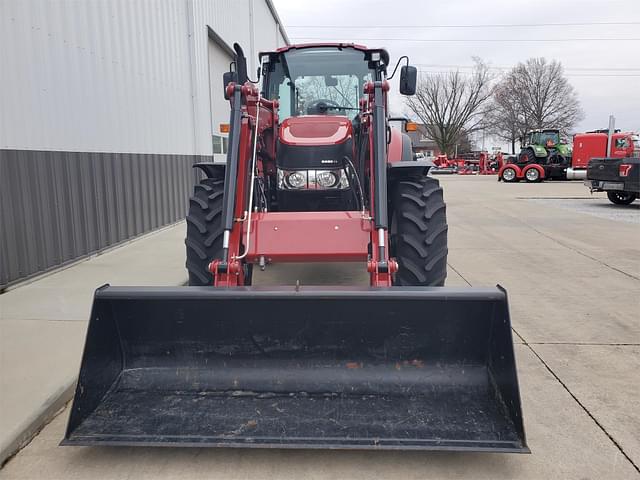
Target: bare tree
(449,104)
(505,117)
(534,95)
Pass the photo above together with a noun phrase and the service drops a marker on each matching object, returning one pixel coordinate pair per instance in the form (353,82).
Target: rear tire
(204,230)
(621,198)
(418,237)
(532,175)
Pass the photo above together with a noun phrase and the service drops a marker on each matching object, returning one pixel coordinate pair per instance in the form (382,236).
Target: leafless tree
(534,95)
(505,118)
(449,104)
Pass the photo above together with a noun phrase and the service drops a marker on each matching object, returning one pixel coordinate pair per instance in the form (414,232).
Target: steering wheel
(321,106)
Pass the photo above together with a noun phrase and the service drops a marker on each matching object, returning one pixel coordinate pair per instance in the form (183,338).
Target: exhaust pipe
(610,132)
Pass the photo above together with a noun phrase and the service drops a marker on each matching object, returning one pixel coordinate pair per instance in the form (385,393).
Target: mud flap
(397,368)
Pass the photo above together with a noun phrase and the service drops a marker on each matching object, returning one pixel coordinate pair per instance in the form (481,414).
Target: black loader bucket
(398,368)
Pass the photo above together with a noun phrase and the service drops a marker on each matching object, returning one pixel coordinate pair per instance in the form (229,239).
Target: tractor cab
(321,139)
(320,80)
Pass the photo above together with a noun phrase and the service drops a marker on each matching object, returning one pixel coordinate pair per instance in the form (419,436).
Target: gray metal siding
(56,207)
(82,82)
(118,75)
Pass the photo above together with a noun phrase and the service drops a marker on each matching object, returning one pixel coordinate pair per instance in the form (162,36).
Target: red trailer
(586,146)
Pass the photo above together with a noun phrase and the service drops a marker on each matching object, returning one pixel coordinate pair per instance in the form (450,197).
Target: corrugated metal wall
(104,105)
(118,75)
(56,207)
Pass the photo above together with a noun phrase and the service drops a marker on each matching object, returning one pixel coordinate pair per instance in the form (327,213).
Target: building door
(219,60)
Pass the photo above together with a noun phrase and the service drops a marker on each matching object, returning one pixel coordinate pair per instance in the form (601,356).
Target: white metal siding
(118,75)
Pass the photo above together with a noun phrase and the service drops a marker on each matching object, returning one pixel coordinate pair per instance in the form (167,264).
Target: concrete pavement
(43,323)
(573,280)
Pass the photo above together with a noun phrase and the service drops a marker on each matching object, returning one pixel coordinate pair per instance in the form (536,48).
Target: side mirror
(227,78)
(408,80)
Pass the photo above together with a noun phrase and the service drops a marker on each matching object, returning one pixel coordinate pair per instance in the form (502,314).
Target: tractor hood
(314,130)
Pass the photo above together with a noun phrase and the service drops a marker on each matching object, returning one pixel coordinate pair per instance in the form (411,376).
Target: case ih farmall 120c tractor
(314,173)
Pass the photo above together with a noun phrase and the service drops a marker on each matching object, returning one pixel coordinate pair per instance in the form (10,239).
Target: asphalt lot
(571,264)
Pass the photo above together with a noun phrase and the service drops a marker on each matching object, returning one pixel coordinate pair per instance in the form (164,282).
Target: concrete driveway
(571,265)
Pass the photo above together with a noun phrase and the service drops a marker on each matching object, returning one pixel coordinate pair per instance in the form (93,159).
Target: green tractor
(539,145)
(543,156)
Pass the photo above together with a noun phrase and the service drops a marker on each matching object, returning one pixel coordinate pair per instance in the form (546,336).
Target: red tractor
(314,173)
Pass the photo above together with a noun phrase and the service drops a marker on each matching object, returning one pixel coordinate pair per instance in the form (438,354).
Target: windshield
(318,81)
(549,137)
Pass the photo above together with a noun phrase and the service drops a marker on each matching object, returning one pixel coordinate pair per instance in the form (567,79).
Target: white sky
(589,64)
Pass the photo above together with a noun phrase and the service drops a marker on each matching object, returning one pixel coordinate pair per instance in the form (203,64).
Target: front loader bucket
(397,368)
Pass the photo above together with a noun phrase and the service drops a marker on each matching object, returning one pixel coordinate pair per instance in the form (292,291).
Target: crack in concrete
(587,344)
(461,276)
(584,408)
(573,396)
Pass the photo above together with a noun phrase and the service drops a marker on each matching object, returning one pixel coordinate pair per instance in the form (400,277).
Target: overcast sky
(606,74)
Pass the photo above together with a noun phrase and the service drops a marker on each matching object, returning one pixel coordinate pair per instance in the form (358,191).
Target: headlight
(326,179)
(296,179)
(312,179)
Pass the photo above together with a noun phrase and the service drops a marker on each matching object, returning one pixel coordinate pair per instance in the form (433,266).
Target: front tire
(418,237)
(621,198)
(204,230)
(527,156)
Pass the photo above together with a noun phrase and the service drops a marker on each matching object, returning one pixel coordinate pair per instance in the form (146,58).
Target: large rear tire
(418,237)
(621,198)
(527,156)
(204,230)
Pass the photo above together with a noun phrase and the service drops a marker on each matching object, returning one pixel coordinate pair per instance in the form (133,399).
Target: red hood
(315,130)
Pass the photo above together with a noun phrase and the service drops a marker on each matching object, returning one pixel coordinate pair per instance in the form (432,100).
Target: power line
(478,39)
(491,25)
(494,67)
(436,72)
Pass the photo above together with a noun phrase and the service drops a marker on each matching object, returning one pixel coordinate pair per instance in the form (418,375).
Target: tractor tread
(204,230)
(419,232)
(201,226)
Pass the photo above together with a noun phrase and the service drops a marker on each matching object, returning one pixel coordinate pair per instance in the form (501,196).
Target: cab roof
(384,55)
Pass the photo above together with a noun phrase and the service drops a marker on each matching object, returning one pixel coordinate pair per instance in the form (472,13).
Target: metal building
(104,105)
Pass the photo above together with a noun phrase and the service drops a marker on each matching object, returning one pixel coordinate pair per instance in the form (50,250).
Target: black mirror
(408,80)
(227,78)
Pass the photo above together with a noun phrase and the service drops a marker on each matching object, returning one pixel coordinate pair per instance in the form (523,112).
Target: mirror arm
(397,64)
